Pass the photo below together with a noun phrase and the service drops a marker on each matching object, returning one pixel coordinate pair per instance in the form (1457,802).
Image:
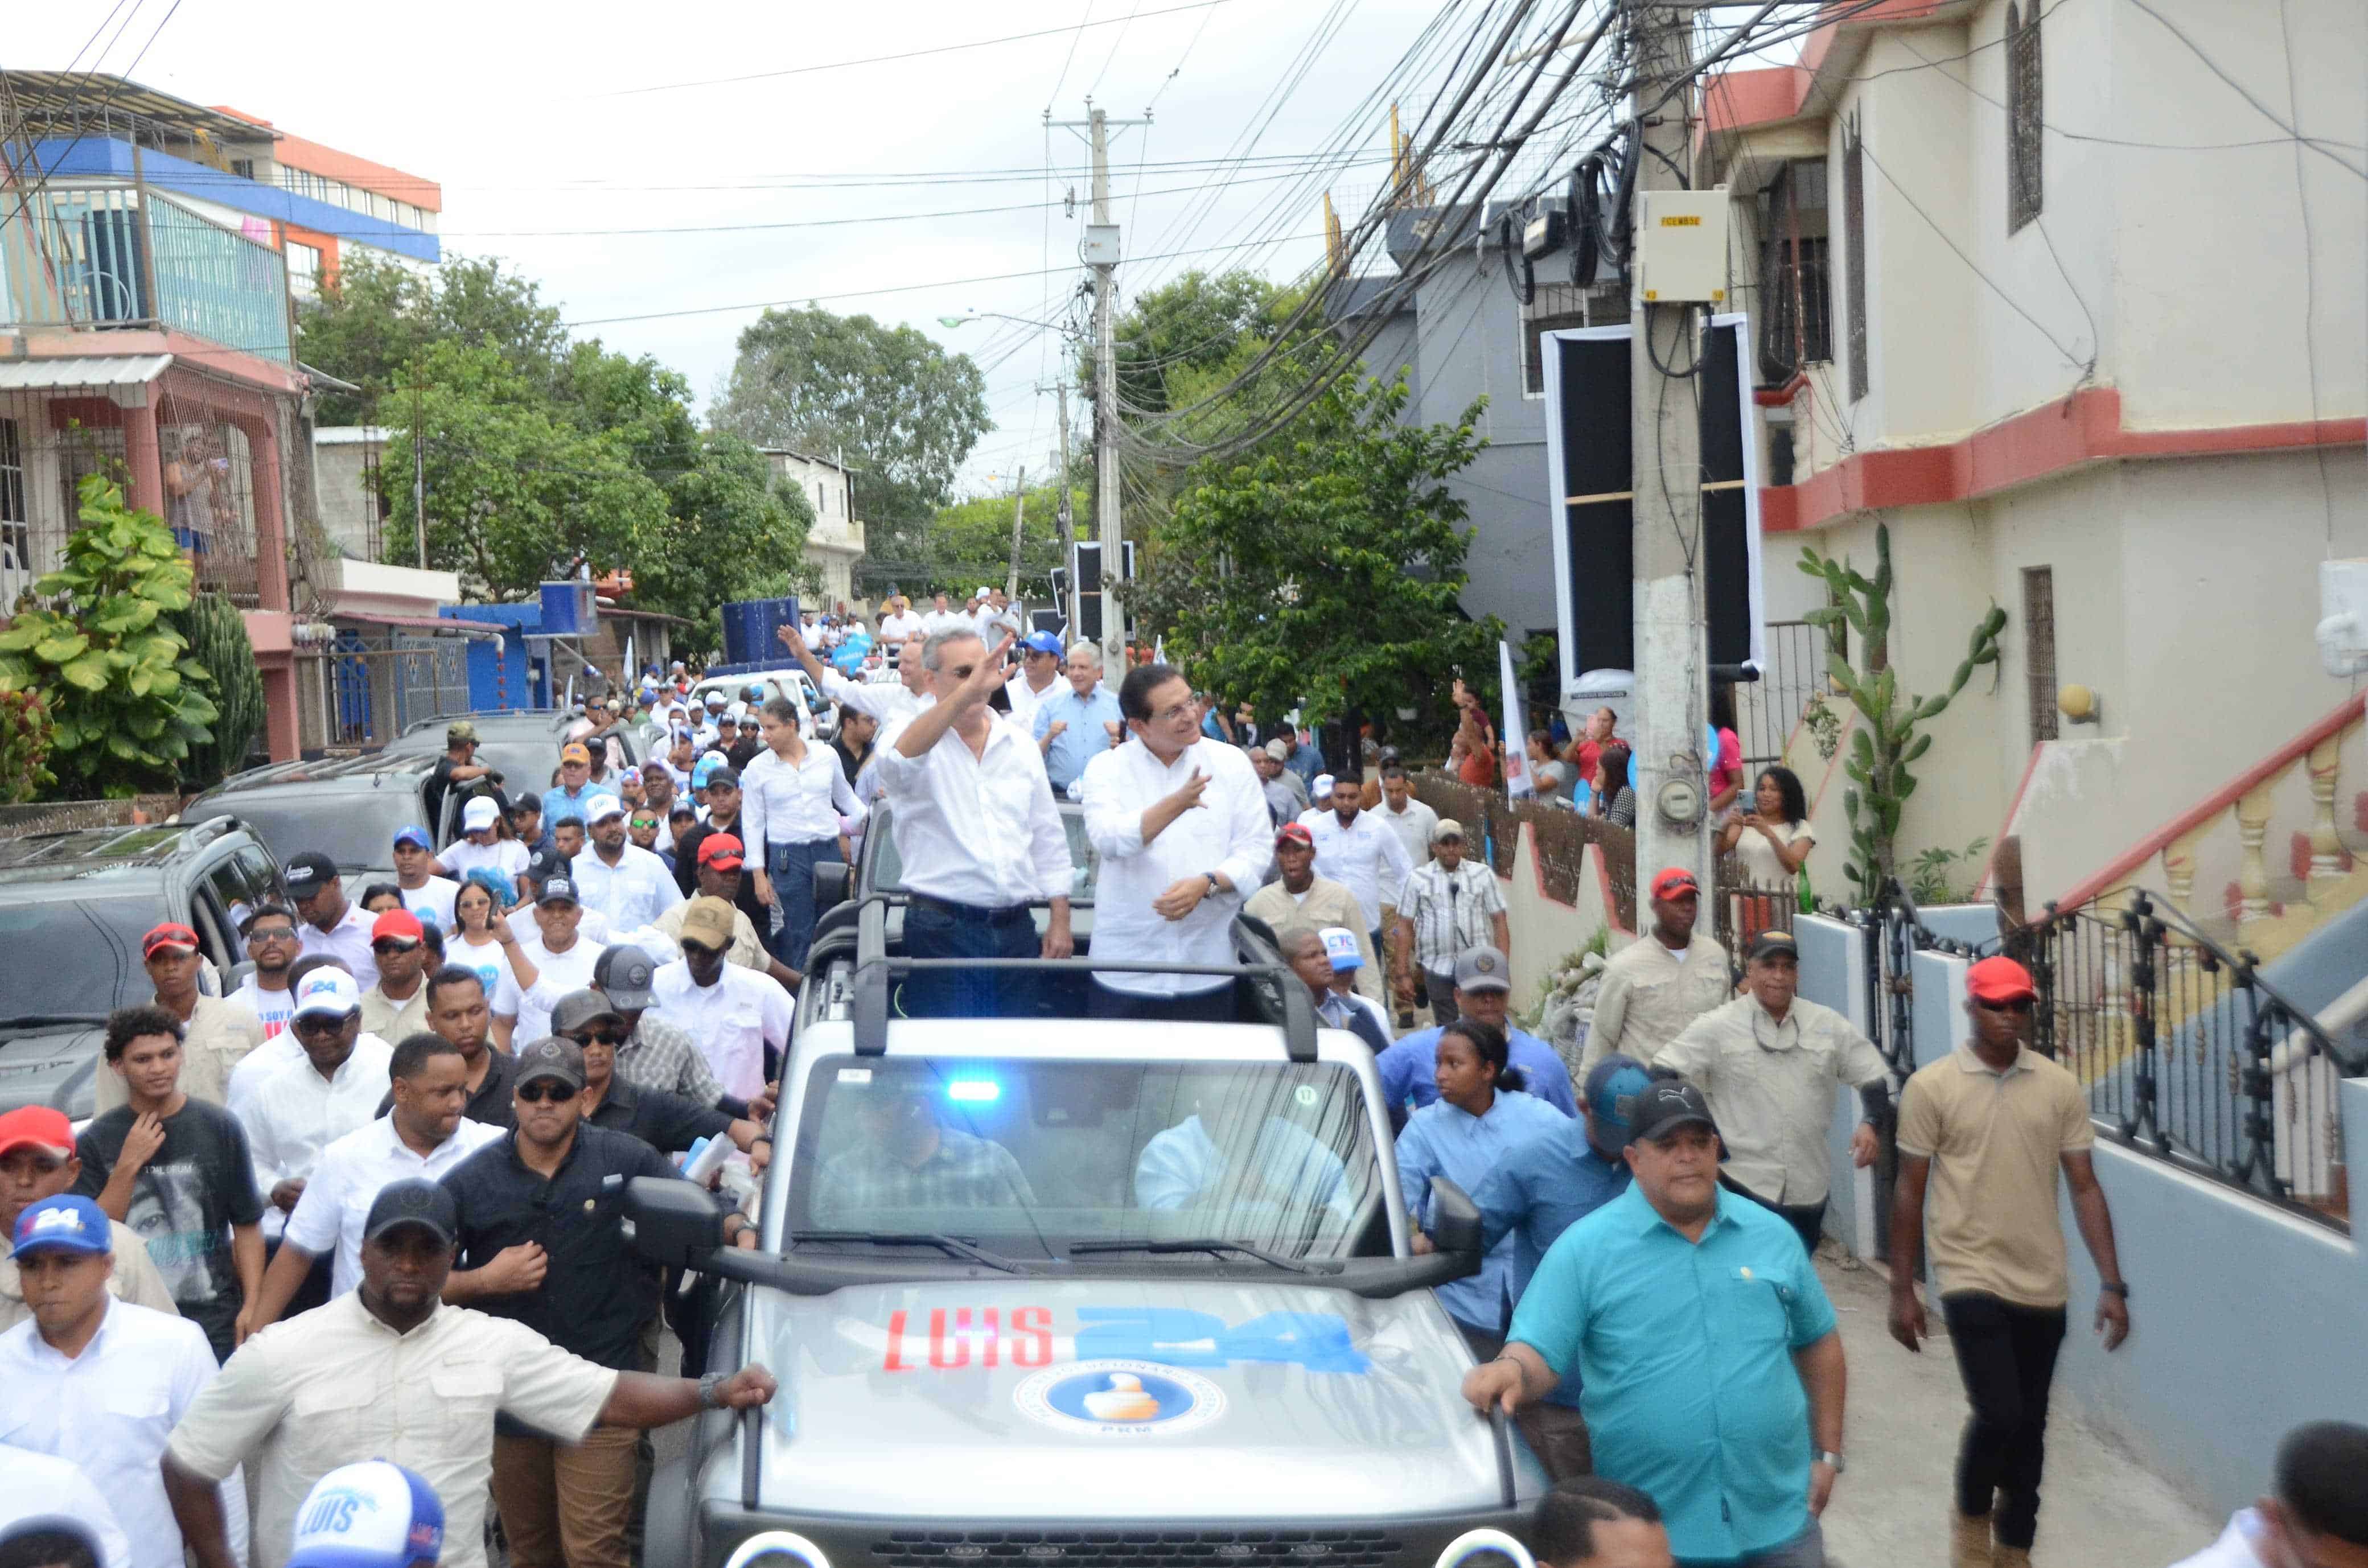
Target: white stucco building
(836,543)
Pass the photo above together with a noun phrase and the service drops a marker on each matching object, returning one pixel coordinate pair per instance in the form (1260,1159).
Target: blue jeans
(792,868)
(939,930)
(1806,1549)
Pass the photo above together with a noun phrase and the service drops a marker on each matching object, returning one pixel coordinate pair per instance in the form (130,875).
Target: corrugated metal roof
(82,371)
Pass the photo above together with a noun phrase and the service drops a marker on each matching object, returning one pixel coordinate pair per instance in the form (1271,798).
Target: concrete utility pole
(1067,522)
(1672,655)
(1019,520)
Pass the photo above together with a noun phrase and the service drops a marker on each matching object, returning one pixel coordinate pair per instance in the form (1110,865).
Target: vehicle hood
(50,1064)
(1280,1398)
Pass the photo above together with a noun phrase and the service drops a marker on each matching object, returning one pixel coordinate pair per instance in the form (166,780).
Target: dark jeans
(792,868)
(1439,989)
(1208,1007)
(1808,1219)
(939,930)
(2005,1354)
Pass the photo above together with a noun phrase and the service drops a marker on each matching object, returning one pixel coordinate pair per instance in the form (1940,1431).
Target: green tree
(970,542)
(95,639)
(1324,570)
(1198,323)
(381,316)
(730,533)
(216,634)
(903,411)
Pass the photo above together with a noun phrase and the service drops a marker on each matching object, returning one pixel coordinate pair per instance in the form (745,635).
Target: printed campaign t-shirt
(199,1184)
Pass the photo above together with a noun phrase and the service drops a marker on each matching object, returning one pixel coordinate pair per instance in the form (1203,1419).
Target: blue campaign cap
(372,1515)
(414,834)
(1042,642)
(65,1223)
(1613,1086)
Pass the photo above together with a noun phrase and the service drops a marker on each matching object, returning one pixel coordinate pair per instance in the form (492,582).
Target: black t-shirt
(667,1122)
(744,750)
(598,1292)
(184,1202)
(432,792)
(491,1101)
(851,764)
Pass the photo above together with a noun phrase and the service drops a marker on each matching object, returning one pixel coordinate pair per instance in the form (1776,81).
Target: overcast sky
(526,114)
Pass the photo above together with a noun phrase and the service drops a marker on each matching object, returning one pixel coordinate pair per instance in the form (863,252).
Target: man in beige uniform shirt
(37,1161)
(1300,897)
(215,1035)
(397,1004)
(1661,982)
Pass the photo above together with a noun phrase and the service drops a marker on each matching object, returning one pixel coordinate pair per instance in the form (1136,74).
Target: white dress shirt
(590,926)
(731,1021)
(295,1113)
(786,802)
(43,1487)
(346,1180)
(1228,832)
(894,629)
(1024,698)
(556,975)
(1365,858)
(348,941)
(886,700)
(980,830)
(109,1410)
(630,894)
(432,901)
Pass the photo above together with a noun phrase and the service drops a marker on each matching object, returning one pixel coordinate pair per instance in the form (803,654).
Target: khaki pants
(1557,1434)
(565,1506)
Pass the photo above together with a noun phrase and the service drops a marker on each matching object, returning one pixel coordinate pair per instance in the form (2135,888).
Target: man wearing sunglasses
(738,1018)
(272,948)
(303,1107)
(1985,1130)
(541,1243)
(666,1123)
(397,1004)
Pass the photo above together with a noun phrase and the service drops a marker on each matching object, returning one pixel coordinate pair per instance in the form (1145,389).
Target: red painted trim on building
(2220,799)
(2069,433)
(1778,397)
(2030,766)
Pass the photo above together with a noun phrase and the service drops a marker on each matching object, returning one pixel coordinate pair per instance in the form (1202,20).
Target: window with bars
(2024,119)
(2039,647)
(1854,255)
(1795,310)
(1534,354)
(18,568)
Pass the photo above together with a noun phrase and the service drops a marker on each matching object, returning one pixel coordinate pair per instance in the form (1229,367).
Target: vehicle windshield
(1084,862)
(1029,1158)
(75,957)
(354,827)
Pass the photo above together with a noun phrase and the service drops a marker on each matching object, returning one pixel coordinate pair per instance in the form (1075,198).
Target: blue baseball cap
(371,1515)
(707,767)
(414,834)
(1042,642)
(65,1223)
(1613,1086)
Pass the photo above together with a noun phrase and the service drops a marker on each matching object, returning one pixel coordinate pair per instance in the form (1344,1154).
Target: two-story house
(835,542)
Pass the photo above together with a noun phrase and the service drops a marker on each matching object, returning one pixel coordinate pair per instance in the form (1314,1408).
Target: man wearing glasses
(1986,1129)
(666,1123)
(272,946)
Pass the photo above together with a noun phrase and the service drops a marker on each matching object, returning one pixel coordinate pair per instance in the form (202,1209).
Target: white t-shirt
(489,964)
(276,1008)
(894,629)
(1760,862)
(558,973)
(506,856)
(432,901)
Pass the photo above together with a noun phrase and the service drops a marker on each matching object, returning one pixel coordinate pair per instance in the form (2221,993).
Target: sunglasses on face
(700,952)
(610,1035)
(392,946)
(538,1091)
(322,1023)
(273,934)
(2019,1004)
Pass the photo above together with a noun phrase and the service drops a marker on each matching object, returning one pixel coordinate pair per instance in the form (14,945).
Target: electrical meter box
(1100,246)
(2343,617)
(1681,247)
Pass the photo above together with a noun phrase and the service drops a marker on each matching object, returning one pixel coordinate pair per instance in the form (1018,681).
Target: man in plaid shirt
(1440,912)
(909,1160)
(657,1053)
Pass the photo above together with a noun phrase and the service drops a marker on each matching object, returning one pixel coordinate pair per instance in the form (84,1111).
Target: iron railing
(97,256)
(2188,1055)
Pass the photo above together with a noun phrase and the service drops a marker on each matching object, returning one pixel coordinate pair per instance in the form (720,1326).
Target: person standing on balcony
(1662,981)
(191,483)
(1983,1132)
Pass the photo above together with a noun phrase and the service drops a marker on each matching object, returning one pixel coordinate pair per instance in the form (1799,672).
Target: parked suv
(1154,1303)
(348,807)
(72,909)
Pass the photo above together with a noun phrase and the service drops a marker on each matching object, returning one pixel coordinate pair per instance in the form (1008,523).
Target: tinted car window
(76,957)
(353,827)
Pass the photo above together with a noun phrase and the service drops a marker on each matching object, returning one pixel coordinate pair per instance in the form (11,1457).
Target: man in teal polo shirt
(1713,1375)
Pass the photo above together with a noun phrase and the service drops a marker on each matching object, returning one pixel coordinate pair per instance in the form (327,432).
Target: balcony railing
(75,259)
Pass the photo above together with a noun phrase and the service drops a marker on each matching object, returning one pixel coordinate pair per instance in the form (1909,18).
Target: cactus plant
(1886,741)
(218,642)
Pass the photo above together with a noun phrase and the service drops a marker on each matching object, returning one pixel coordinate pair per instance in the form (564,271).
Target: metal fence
(2188,1055)
(1767,709)
(1493,822)
(63,816)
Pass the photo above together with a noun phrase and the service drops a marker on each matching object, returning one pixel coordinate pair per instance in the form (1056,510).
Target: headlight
(781,1549)
(1484,1549)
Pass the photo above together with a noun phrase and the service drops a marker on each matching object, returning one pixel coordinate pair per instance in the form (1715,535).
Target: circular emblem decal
(1120,1399)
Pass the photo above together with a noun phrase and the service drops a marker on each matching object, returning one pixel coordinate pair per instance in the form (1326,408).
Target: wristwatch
(1831,1460)
(710,1391)
(2118,1288)
(1212,881)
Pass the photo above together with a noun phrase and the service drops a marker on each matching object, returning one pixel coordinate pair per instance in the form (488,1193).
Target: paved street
(2101,1510)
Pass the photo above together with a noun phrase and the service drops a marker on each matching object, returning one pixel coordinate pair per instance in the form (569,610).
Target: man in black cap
(667,1122)
(1705,1346)
(657,1053)
(539,1244)
(389,1371)
(332,926)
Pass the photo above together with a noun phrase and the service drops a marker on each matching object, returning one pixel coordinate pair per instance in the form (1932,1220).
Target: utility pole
(1019,519)
(1672,657)
(1066,522)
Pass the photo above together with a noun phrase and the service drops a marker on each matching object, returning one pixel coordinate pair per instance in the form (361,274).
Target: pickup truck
(1076,1293)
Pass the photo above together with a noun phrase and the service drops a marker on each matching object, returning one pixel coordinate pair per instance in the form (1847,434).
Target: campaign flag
(1515,735)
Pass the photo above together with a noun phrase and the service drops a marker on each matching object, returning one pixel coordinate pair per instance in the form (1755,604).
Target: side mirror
(1454,1218)
(830,884)
(674,1222)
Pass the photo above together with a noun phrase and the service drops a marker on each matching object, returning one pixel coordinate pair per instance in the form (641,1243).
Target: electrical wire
(2245,93)
(2309,280)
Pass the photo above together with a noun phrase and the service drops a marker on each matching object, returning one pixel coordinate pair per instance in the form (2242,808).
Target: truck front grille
(1118,1548)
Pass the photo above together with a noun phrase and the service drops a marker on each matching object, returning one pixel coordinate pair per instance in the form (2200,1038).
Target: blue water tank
(751,629)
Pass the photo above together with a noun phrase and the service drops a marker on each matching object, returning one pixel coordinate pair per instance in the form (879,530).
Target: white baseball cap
(480,814)
(371,1515)
(1340,946)
(601,807)
(330,992)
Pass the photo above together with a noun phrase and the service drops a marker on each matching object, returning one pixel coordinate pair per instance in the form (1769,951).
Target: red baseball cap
(168,934)
(1674,882)
(722,850)
(36,1126)
(1294,832)
(398,925)
(1999,979)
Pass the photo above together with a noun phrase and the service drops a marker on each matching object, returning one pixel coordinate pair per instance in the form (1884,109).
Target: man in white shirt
(1039,676)
(1414,823)
(306,1105)
(735,1016)
(423,894)
(979,838)
(561,955)
(894,706)
(272,945)
(943,617)
(481,845)
(1356,850)
(592,925)
(41,1493)
(1182,825)
(100,1381)
(899,623)
(423,1134)
(332,926)
(626,883)
(2315,1515)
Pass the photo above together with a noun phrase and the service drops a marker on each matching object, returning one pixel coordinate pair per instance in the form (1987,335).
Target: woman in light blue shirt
(1481,1112)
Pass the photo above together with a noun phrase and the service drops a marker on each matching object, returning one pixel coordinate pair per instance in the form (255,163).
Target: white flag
(1518,784)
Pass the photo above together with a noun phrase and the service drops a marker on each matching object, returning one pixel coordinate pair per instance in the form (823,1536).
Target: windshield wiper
(1211,1244)
(953,1244)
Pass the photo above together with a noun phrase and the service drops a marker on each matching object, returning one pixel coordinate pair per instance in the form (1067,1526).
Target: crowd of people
(366,1208)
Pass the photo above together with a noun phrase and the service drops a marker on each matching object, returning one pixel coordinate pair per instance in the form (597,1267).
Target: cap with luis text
(371,1515)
